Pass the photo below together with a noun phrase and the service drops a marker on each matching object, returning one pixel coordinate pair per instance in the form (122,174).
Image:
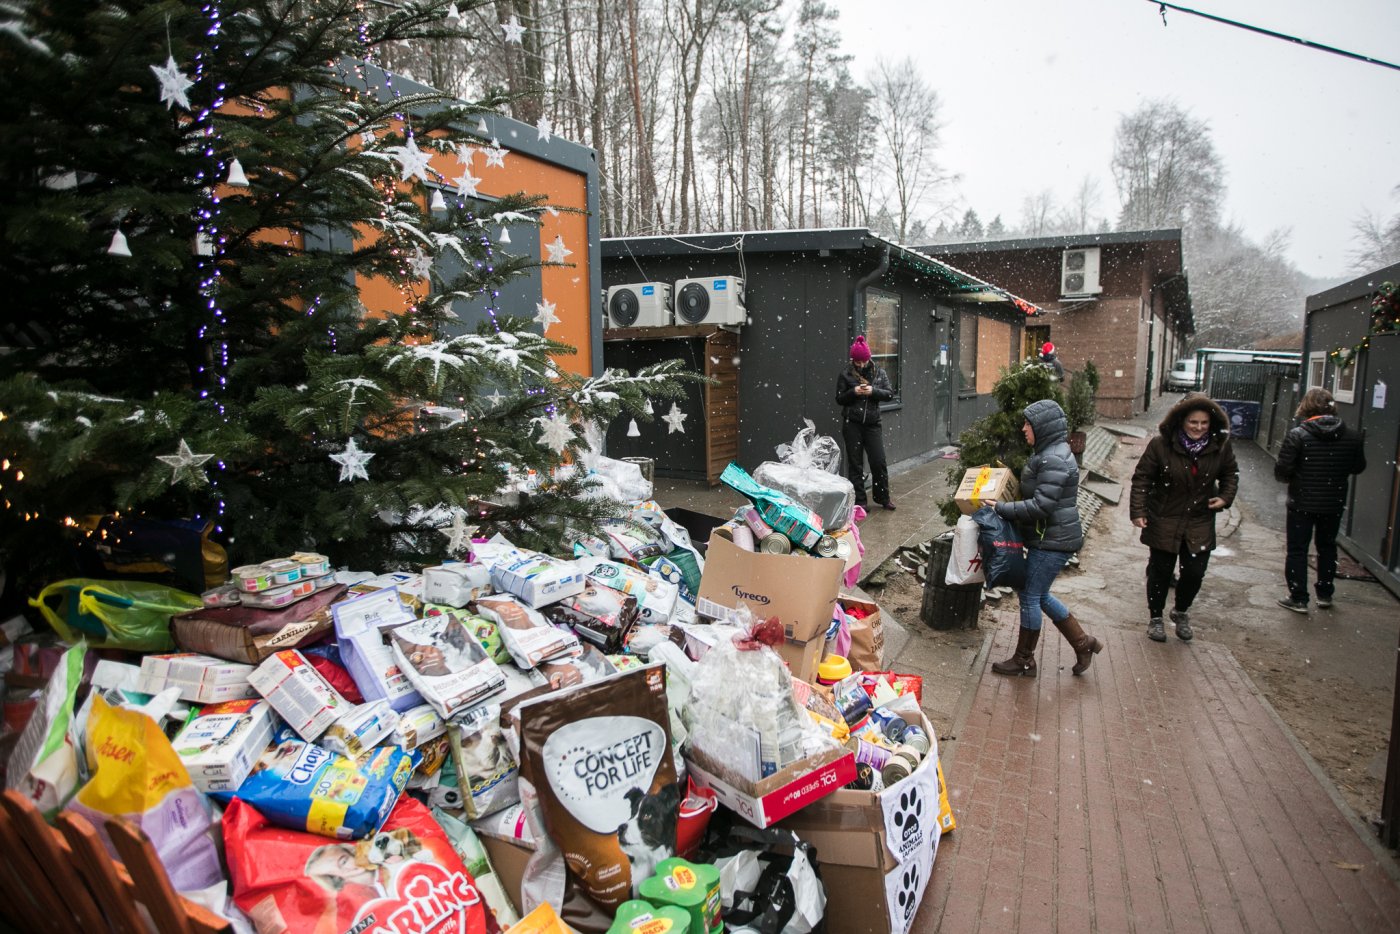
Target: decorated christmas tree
(192,198)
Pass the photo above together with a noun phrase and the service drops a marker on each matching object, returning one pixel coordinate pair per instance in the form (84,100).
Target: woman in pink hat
(860,389)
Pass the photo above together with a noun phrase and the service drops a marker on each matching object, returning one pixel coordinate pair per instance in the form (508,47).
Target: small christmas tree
(190,196)
(997,438)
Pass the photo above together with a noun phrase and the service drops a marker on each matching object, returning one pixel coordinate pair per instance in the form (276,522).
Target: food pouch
(406,878)
(527,634)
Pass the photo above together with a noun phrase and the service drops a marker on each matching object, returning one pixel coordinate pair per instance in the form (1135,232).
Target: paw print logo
(908,818)
(910,888)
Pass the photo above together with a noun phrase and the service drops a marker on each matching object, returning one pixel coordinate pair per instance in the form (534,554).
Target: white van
(1183,376)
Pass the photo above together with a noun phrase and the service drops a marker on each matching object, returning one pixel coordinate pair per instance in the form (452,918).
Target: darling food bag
(599,757)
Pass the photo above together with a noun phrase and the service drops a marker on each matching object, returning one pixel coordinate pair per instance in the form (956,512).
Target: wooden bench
(62,879)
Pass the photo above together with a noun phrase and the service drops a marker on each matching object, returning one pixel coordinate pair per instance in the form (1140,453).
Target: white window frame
(1317,370)
(1344,382)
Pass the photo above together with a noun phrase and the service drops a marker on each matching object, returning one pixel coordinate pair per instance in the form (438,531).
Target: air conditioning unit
(639,305)
(1079,273)
(713,300)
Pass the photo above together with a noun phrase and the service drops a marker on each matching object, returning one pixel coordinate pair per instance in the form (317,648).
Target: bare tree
(693,23)
(1082,215)
(1038,214)
(1375,241)
(1166,169)
(1242,291)
(907,127)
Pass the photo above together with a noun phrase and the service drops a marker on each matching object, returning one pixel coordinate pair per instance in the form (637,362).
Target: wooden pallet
(61,878)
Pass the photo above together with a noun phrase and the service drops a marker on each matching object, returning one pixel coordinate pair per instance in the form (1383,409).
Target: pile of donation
(656,734)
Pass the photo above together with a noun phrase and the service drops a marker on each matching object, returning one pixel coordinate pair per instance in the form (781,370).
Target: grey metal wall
(799,304)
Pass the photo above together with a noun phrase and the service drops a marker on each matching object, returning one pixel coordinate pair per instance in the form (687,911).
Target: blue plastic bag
(1003,550)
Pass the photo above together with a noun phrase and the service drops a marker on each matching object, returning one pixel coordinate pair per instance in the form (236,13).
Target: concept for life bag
(965,562)
(114,614)
(1003,552)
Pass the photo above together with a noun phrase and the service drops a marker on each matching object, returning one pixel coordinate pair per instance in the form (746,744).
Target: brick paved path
(1157,793)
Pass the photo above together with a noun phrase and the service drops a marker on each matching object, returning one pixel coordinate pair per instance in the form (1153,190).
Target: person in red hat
(860,389)
(1048,358)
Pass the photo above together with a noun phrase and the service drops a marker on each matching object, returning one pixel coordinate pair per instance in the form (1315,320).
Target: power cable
(1163,7)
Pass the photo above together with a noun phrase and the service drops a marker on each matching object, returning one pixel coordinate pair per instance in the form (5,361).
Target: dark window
(882,327)
(967,352)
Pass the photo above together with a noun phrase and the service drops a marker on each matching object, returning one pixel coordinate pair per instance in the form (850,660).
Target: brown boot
(1085,646)
(1022,662)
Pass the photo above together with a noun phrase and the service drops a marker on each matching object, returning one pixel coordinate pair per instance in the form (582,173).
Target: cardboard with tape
(985,482)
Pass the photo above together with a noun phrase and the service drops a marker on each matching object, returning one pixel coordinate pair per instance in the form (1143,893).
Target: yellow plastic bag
(114,614)
(137,775)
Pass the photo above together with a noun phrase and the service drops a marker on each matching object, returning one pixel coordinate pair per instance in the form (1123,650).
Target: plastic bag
(114,614)
(965,563)
(137,775)
(811,451)
(1003,552)
(44,764)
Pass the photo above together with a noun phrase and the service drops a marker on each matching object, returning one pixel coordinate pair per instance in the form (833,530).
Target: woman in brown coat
(1186,475)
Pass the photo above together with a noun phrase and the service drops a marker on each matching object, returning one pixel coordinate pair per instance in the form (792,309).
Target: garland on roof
(1385,318)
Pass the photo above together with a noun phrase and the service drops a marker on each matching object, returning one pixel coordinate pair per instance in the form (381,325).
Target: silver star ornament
(185,465)
(352,462)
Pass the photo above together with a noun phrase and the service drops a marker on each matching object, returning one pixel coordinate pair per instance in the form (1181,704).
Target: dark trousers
(1161,565)
(863,442)
(1321,530)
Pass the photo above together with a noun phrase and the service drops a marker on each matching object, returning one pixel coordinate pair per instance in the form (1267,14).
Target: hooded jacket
(1171,489)
(1317,460)
(862,409)
(1048,512)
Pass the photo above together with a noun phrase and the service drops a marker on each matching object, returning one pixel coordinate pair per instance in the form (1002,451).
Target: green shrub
(1079,401)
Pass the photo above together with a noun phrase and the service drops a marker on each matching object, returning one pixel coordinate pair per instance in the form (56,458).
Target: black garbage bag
(1003,550)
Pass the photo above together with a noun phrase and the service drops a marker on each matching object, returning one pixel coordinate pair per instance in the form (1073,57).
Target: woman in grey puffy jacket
(1048,517)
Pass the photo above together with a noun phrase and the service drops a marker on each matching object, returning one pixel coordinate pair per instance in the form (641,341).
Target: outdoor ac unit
(1079,272)
(714,300)
(639,305)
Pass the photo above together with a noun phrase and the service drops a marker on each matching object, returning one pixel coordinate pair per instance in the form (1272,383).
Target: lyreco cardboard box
(876,850)
(781,794)
(799,589)
(985,482)
(803,657)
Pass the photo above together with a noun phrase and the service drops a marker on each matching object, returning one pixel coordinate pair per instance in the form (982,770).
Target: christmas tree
(190,194)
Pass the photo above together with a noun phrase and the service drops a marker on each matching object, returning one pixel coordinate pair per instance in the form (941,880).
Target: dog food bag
(536,578)
(446,664)
(371,662)
(484,630)
(406,878)
(485,767)
(599,758)
(417,726)
(305,787)
(299,693)
(509,824)
(468,846)
(527,634)
(656,598)
(600,615)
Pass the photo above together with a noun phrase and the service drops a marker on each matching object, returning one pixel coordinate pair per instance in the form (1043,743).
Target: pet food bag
(599,758)
(305,787)
(527,634)
(468,846)
(136,775)
(44,763)
(656,597)
(406,878)
(445,663)
(485,767)
(482,629)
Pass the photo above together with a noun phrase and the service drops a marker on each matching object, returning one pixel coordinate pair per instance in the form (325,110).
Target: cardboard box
(799,589)
(221,745)
(200,678)
(985,482)
(299,694)
(803,657)
(876,851)
(781,794)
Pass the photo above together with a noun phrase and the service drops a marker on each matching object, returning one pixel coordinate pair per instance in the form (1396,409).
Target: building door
(1035,337)
(1375,506)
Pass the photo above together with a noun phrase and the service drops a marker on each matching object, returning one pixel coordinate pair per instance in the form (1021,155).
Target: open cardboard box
(875,850)
(798,589)
(780,794)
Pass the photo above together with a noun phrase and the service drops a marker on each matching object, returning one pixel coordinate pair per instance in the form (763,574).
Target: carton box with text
(798,589)
(982,483)
(876,849)
(783,793)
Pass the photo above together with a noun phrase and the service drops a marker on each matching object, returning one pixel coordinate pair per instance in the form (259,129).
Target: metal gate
(1245,381)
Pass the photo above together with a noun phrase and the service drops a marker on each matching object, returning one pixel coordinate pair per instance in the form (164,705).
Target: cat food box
(220,746)
(200,678)
(299,694)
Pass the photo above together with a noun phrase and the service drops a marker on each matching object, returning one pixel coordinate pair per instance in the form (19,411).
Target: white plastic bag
(965,563)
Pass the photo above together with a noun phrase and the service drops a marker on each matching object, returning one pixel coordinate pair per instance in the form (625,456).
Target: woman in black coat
(1185,476)
(1317,461)
(860,390)
(1048,517)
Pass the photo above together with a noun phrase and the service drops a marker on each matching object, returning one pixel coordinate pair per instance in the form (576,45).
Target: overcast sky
(1032,91)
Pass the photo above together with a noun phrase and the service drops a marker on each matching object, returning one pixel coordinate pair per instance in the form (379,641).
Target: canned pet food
(900,766)
(742,536)
(284,571)
(843,548)
(775,544)
(280,596)
(223,595)
(865,777)
(915,737)
(252,578)
(312,564)
(875,756)
(826,547)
